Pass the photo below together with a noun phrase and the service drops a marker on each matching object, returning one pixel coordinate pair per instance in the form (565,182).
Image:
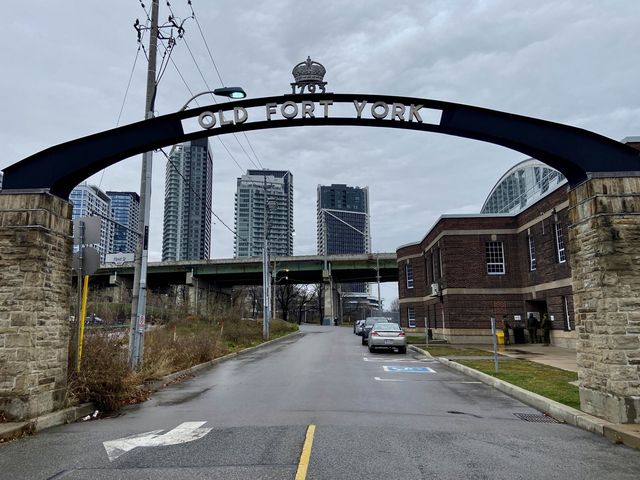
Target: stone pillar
(35,266)
(604,241)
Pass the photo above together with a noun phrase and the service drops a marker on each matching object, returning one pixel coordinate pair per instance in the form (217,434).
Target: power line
(124,99)
(209,209)
(230,154)
(184,81)
(193,15)
(215,66)
(199,70)
(196,101)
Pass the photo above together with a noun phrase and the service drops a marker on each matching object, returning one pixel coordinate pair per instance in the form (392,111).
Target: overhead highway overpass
(225,273)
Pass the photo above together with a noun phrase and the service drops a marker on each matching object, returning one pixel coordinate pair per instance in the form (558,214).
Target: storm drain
(536,417)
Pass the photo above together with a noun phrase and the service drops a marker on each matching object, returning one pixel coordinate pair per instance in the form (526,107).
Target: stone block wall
(35,283)
(604,241)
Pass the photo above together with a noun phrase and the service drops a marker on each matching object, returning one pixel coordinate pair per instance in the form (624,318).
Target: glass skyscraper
(125,208)
(89,200)
(264,194)
(186,231)
(343,223)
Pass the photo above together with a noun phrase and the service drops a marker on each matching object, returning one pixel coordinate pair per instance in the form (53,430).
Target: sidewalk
(564,358)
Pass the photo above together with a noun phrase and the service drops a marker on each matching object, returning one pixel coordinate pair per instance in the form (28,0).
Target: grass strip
(449,351)
(550,382)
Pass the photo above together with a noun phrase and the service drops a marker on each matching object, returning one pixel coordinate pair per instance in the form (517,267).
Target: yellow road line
(303,464)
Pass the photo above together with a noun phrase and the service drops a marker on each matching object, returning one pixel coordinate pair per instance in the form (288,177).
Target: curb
(155,385)
(12,430)
(628,435)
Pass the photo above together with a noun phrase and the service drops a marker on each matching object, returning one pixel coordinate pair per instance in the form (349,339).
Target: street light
(139,300)
(231,92)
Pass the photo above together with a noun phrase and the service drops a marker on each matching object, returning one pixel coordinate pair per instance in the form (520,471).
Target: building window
(426,268)
(409,273)
(532,253)
(411,316)
(436,270)
(560,253)
(495,258)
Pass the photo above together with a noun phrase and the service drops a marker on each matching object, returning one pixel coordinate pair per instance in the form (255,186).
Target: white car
(357,327)
(387,335)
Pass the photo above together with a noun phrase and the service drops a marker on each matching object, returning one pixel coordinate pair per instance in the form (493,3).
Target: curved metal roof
(521,186)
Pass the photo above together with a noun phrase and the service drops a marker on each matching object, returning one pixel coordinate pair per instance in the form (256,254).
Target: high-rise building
(89,200)
(251,210)
(186,231)
(343,224)
(125,208)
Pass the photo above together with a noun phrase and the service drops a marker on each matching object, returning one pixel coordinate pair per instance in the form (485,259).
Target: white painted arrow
(183,433)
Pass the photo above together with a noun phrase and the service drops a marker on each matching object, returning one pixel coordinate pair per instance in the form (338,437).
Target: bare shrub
(104,378)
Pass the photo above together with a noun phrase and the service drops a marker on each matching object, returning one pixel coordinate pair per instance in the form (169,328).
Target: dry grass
(106,380)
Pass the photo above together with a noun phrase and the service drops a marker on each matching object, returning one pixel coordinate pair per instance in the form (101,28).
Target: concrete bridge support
(35,267)
(204,297)
(605,264)
(331,301)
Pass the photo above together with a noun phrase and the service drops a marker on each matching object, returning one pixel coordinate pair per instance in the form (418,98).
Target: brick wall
(471,296)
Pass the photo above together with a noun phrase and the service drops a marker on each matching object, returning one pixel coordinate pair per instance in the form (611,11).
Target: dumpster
(518,335)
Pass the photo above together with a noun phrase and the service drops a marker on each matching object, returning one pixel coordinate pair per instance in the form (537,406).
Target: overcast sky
(66,66)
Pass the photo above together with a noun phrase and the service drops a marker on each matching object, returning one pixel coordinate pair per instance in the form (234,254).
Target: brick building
(469,268)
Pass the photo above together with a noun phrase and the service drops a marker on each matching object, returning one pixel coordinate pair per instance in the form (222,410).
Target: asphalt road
(248,419)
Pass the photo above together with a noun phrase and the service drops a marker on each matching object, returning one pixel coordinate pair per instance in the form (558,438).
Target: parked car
(387,335)
(369,322)
(357,327)
(93,320)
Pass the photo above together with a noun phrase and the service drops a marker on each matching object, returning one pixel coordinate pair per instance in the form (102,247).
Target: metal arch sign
(575,152)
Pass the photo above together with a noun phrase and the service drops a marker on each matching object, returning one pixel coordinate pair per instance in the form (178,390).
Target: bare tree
(255,299)
(304,297)
(285,296)
(318,292)
(395,305)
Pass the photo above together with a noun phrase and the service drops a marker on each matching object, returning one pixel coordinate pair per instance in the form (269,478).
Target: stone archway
(604,237)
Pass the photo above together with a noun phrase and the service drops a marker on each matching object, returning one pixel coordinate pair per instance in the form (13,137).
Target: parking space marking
(394,360)
(389,368)
(388,379)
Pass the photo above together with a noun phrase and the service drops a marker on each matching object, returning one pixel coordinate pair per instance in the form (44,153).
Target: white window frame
(561,254)
(408,270)
(411,316)
(533,264)
(494,258)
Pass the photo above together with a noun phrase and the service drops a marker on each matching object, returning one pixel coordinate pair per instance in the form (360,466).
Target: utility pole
(138,303)
(378,278)
(266,278)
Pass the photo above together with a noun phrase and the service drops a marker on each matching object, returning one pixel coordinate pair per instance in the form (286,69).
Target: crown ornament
(308,76)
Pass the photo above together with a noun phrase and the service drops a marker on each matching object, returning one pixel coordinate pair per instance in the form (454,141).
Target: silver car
(387,335)
(357,327)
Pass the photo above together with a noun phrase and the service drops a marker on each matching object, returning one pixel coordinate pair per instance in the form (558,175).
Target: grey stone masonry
(35,287)
(604,242)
